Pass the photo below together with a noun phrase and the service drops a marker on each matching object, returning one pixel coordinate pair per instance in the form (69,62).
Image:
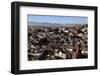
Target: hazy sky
(58,19)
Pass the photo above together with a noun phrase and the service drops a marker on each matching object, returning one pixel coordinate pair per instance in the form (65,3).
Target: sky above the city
(58,19)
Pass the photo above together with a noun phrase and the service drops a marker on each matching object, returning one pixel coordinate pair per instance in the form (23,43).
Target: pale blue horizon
(58,19)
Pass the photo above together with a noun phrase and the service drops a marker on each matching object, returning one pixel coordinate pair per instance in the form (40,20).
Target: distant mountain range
(51,24)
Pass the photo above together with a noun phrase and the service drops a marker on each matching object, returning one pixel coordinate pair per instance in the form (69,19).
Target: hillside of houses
(57,41)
